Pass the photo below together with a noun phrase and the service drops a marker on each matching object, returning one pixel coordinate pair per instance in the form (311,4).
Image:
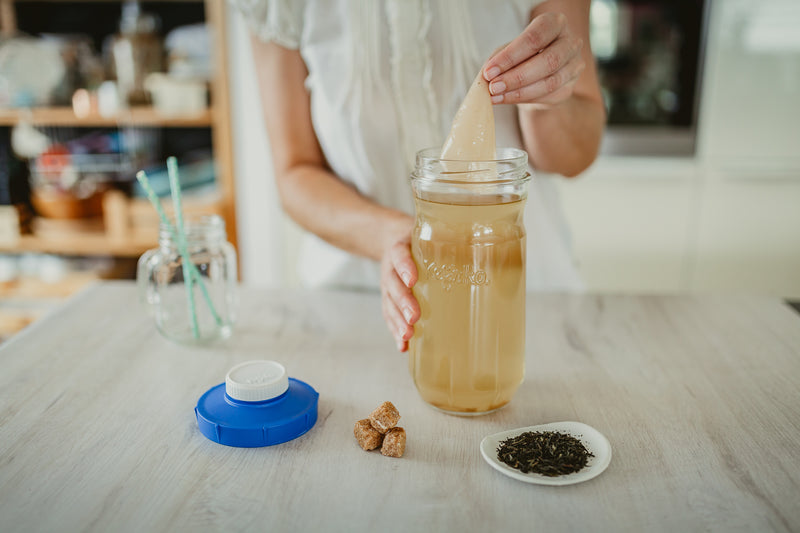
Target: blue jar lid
(284,408)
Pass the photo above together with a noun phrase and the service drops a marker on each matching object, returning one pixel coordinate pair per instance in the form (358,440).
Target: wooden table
(698,395)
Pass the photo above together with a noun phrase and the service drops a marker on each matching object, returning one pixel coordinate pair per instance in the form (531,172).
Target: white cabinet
(748,228)
(729,218)
(750,112)
(631,222)
(748,238)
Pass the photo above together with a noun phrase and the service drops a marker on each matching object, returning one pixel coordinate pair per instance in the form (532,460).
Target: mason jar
(191,302)
(467,355)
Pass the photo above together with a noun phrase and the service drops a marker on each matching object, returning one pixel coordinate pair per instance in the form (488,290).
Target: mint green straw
(141,177)
(188,279)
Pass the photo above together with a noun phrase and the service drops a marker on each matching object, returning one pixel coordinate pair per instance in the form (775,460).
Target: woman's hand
(539,67)
(398,275)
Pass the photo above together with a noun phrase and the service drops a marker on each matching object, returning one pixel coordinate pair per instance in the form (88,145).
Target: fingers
(396,323)
(397,283)
(556,57)
(553,89)
(542,31)
(400,256)
(540,66)
(400,308)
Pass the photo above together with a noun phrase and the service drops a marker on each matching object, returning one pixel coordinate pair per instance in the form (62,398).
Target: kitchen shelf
(128,228)
(87,243)
(136,116)
(122,236)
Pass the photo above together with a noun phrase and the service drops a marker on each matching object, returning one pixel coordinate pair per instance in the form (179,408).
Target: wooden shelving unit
(128,228)
(136,116)
(84,243)
(216,118)
(125,231)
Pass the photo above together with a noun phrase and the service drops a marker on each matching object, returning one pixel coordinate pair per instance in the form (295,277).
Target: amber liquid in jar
(467,355)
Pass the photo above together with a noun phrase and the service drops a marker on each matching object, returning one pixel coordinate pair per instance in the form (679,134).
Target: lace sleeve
(280,21)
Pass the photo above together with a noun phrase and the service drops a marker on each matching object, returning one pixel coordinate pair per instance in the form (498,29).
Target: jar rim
(201,227)
(511,166)
(197,220)
(509,155)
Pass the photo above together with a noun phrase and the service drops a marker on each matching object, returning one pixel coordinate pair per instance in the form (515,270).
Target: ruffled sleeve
(279,21)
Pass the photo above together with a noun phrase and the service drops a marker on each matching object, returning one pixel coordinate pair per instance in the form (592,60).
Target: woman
(352,89)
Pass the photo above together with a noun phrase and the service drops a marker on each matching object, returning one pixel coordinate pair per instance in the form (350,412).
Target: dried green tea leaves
(548,453)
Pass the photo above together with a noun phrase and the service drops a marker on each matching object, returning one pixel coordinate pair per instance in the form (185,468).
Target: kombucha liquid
(467,355)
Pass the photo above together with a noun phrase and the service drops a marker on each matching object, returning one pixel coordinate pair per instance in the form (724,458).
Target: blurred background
(697,188)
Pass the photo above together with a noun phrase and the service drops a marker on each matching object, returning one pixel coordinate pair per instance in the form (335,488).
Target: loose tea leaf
(548,453)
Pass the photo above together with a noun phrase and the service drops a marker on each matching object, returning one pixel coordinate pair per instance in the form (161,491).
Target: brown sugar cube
(385,417)
(394,442)
(367,436)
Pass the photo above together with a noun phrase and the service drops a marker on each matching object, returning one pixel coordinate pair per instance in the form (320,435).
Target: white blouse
(385,80)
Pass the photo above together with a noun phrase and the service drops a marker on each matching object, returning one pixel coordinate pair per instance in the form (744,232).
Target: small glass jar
(467,355)
(193,303)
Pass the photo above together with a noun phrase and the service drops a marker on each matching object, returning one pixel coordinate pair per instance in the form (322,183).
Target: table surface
(698,396)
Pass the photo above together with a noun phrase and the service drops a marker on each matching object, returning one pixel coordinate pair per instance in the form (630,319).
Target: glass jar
(467,355)
(191,308)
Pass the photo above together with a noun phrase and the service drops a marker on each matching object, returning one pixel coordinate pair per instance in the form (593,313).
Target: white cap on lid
(256,381)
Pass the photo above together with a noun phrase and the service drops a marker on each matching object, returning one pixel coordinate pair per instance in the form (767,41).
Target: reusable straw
(188,281)
(141,177)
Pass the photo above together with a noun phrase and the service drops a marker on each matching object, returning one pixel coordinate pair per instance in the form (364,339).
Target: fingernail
(400,345)
(406,277)
(407,314)
(492,73)
(497,87)
(498,98)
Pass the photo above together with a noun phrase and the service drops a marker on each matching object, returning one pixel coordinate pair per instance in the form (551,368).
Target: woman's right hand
(398,276)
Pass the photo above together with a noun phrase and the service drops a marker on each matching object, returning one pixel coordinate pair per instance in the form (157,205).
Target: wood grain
(697,395)
(136,116)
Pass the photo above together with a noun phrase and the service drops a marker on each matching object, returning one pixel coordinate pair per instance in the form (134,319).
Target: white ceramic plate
(593,440)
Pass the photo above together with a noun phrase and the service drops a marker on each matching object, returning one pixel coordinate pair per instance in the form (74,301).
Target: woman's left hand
(539,67)
(398,275)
